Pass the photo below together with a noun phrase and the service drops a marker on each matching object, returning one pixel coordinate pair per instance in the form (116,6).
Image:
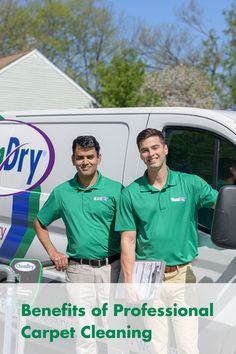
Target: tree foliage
(15,24)
(77,35)
(182,85)
(121,80)
(49,30)
(85,39)
(229,63)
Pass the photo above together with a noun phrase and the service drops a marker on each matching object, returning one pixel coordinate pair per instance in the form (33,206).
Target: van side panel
(26,162)
(26,156)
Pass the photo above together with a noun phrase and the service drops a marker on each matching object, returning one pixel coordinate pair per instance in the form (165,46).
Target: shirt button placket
(84,202)
(162,200)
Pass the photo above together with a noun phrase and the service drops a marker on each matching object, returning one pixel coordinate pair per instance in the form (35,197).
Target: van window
(191,152)
(204,154)
(227,165)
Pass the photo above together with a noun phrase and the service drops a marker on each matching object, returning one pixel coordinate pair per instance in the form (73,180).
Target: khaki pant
(81,273)
(175,291)
(92,293)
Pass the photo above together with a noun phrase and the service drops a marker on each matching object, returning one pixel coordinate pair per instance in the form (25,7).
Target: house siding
(33,83)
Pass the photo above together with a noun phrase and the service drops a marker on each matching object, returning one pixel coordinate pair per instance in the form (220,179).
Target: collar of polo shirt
(76,185)
(146,187)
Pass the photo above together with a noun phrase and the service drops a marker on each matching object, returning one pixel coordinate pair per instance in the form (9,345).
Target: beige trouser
(81,273)
(175,291)
(92,293)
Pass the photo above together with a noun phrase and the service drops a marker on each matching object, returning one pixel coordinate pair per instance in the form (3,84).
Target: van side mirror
(224,221)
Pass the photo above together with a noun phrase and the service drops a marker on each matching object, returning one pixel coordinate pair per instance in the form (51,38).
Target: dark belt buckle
(95,262)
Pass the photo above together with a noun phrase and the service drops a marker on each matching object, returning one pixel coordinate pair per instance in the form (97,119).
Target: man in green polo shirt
(87,205)
(157,219)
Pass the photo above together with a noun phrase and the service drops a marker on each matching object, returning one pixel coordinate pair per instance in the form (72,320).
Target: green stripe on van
(30,233)
(1,118)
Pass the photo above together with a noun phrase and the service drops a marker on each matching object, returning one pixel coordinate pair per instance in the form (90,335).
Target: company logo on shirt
(178,199)
(26,156)
(101,199)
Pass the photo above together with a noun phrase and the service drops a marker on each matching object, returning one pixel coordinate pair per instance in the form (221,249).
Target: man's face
(86,161)
(153,152)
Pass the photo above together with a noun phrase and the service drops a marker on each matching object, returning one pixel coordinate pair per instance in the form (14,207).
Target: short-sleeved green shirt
(165,220)
(88,215)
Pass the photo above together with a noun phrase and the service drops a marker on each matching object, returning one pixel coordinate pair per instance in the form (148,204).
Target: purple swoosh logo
(9,155)
(50,162)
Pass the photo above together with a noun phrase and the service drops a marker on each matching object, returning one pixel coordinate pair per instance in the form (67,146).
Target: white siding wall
(32,83)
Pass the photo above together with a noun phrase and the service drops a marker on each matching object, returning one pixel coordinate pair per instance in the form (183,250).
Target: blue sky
(157,12)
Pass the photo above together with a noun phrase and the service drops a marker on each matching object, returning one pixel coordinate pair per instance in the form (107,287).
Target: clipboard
(147,278)
(148,271)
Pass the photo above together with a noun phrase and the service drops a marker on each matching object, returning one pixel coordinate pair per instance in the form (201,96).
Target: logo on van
(25,266)
(26,156)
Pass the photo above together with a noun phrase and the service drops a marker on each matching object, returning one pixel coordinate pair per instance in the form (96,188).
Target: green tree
(211,56)
(228,77)
(94,39)
(49,30)
(120,80)
(15,23)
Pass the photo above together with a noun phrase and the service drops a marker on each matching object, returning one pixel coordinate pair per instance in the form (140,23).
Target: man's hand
(59,259)
(132,293)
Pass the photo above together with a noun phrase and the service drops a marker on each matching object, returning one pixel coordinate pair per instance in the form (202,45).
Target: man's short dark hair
(149,132)
(86,141)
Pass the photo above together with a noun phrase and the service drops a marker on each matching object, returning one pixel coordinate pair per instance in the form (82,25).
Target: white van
(35,156)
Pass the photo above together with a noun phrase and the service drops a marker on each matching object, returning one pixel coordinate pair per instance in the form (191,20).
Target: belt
(169,269)
(97,262)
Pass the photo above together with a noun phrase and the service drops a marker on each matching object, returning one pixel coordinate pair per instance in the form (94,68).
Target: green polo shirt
(88,215)
(165,220)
